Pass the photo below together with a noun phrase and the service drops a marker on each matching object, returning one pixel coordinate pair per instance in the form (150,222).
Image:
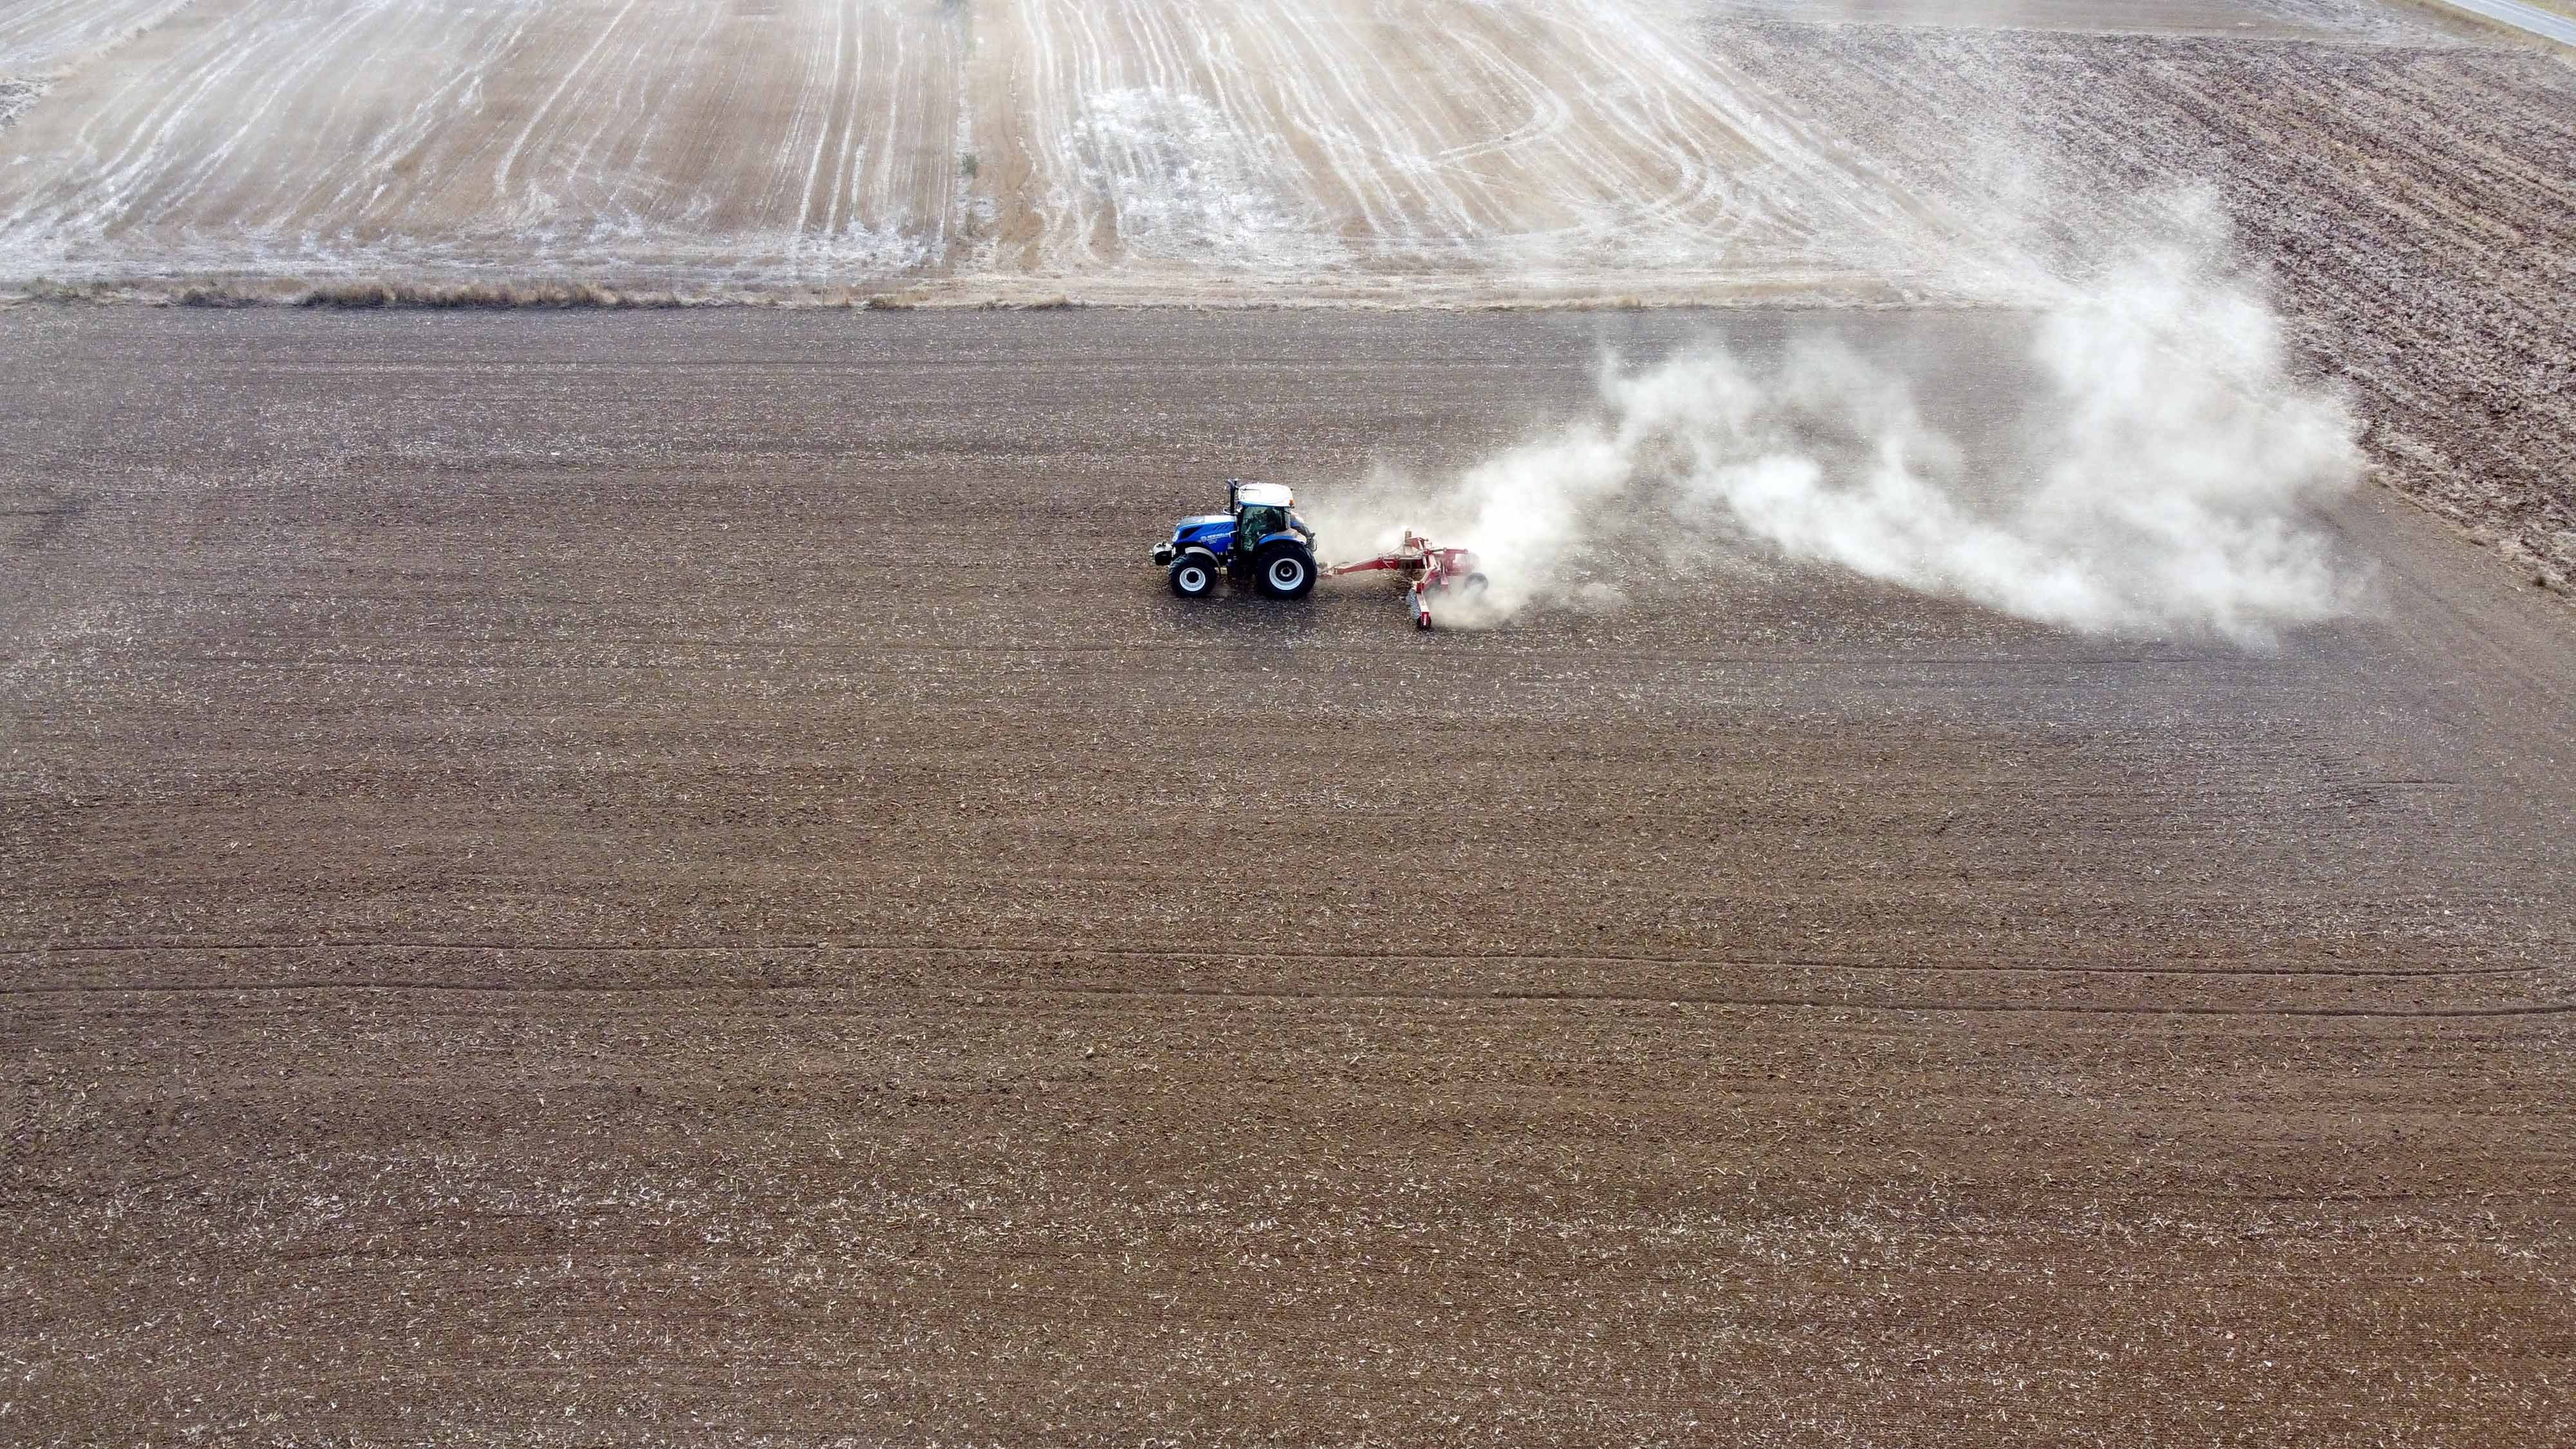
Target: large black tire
(1284,570)
(1193,574)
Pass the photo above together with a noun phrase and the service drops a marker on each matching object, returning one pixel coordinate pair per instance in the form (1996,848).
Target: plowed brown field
(676,879)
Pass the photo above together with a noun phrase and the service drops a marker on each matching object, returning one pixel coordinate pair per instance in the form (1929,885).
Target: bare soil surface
(677,878)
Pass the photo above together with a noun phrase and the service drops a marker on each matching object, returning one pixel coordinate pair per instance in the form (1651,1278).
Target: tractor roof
(1266,493)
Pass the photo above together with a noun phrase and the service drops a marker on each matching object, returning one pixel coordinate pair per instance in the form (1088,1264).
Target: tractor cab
(1264,511)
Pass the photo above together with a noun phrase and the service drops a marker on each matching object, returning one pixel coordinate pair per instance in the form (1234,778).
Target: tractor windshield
(1259,521)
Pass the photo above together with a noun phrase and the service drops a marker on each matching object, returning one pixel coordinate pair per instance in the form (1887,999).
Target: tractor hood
(1213,531)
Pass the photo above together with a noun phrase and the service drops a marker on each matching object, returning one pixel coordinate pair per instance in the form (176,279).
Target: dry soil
(678,878)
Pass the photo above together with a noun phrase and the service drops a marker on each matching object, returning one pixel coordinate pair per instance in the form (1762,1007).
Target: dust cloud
(2162,476)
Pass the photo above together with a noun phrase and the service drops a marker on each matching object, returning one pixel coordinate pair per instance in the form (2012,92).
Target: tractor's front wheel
(1284,571)
(1193,576)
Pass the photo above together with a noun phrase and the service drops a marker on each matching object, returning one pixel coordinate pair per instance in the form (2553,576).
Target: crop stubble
(647,878)
(1137,150)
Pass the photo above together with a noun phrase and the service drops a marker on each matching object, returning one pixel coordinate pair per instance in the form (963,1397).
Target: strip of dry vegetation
(371,294)
(2415,208)
(360,295)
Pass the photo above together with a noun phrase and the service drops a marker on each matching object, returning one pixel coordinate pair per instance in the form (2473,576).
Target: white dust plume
(2161,477)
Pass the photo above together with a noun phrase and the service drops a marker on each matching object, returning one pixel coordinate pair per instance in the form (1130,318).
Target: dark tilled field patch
(677,878)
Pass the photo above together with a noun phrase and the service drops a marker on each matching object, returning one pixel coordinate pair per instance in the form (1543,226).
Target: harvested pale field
(323,137)
(1145,150)
(846,146)
(39,37)
(675,878)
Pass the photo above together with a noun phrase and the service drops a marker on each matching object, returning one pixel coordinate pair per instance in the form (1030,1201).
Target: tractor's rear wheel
(1193,575)
(1284,571)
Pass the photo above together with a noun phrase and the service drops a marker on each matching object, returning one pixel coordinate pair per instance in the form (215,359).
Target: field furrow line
(504,179)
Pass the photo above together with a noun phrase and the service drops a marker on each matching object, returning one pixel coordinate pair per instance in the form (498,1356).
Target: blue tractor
(1259,537)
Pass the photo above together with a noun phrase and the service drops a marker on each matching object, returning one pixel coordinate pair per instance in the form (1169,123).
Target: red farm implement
(1426,569)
